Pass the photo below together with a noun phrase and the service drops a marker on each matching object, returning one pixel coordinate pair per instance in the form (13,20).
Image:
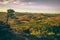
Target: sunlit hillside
(38,25)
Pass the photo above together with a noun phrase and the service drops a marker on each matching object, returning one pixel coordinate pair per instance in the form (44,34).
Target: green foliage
(46,26)
(10,13)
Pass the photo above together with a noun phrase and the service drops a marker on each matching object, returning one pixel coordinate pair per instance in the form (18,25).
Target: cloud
(31,4)
(9,1)
(46,2)
(4,2)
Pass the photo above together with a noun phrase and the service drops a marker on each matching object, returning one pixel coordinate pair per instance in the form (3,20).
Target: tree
(10,13)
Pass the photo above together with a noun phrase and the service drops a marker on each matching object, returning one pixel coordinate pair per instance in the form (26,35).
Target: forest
(29,26)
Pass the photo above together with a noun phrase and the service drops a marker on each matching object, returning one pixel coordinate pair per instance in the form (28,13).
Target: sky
(43,6)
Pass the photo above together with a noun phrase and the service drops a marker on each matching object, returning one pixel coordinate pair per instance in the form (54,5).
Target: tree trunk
(7,18)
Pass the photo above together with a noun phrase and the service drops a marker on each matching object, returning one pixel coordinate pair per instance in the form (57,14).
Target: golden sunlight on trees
(39,25)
